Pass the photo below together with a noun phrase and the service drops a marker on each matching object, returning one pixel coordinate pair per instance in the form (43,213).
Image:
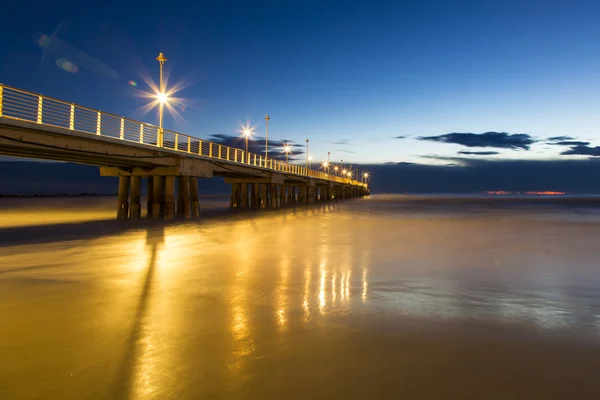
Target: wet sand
(359,300)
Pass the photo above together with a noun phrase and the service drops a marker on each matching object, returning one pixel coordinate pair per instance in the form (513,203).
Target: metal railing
(22,105)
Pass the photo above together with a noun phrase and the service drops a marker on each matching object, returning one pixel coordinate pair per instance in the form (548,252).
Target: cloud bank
(500,140)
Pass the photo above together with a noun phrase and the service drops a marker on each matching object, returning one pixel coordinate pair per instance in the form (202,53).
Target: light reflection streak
(365,285)
(364,260)
(322,300)
(281,296)
(347,288)
(243,345)
(305,303)
(333,293)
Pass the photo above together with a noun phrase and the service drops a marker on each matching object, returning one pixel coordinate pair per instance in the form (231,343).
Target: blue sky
(357,72)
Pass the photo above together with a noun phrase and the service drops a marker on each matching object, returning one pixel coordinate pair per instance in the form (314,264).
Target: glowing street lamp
(310,158)
(287,149)
(335,169)
(247,132)
(161,95)
(365,177)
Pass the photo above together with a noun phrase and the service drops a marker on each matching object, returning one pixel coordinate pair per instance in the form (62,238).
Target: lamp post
(267,139)
(336,170)
(307,156)
(286,148)
(161,96)
(365,177)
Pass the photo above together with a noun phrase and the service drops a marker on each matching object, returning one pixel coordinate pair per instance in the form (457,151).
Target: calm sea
(384,297)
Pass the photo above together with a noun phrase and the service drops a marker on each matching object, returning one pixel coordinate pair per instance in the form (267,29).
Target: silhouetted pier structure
(36,126)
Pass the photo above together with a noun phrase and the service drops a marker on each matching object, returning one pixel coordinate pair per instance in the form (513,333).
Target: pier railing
(22,105)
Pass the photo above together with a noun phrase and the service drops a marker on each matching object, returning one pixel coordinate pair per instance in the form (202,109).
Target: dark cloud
(501,140)
(570,143)
(582,150)
(478,153)
(257,145)
(399,137)
(560,138)
(342,142)
(345,151)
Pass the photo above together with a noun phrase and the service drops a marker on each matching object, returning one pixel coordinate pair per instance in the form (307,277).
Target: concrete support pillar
(264,195)
(244,194)
(291,198)
(280,192)
(310,195)
(328,193)
(169,197)
(150,199)
(158,183)
(183,197)
(274,195)
(302,194)
(269,189)
(255,198)
(135,206)
(194,198)
(283,195)
(123,199)
(234,201)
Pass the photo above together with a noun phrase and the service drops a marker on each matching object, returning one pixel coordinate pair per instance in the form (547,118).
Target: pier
(171,163)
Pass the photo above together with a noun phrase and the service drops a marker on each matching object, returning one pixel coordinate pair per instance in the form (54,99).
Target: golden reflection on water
(281,300)
(307,294)
(364,260)
(333,291)
(258,280)
(346,288)
(243,262)
(322,300)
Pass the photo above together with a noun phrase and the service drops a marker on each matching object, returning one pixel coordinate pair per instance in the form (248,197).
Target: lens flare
(43,40)
(132,83)
(67,65)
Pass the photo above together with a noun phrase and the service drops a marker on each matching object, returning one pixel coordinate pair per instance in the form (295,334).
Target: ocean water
(384,297)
